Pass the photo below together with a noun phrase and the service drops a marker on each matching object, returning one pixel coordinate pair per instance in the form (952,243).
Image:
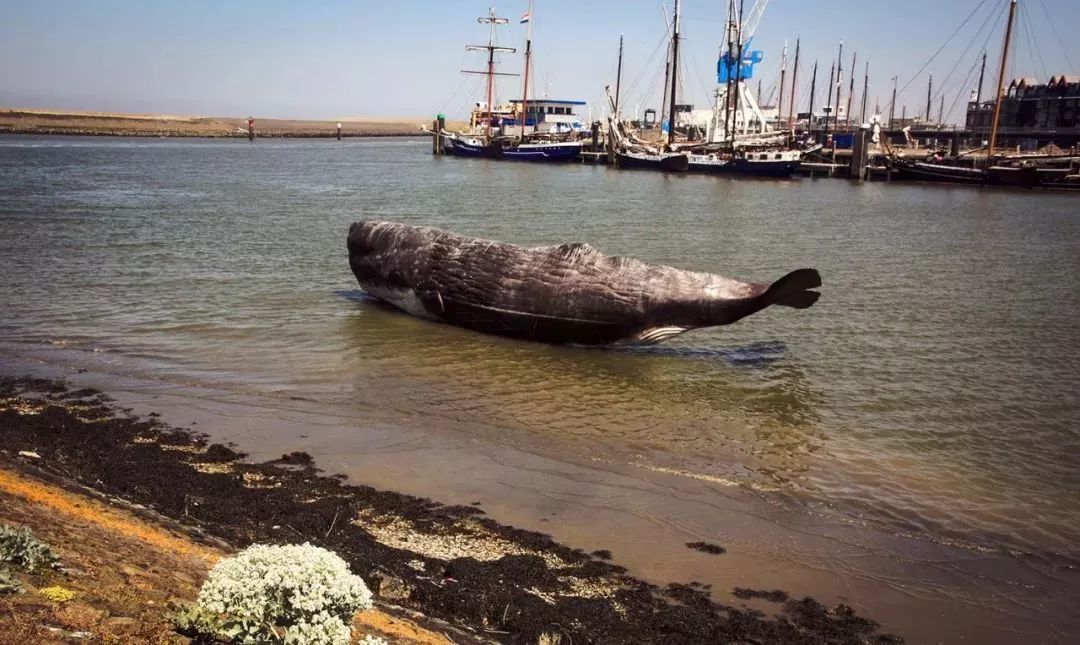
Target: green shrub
(8,583)
(19,547)
(278,594)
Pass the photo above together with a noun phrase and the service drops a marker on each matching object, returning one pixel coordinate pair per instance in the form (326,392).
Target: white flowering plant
(278,594)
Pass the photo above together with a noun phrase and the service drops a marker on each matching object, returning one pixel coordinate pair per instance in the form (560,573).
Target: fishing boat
(487,136)
(739,138)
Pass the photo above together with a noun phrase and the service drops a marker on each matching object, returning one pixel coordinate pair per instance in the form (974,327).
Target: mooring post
(595,136)
(859,154)
(339,132)
(251,128)
(440,125)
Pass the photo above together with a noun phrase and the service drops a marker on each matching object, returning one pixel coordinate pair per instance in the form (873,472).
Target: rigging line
(1028,59)
(944,85)
(696,66)
(1061,43)
(631,87)
(963,88)
(1033,41)
(971,73)
(943,45)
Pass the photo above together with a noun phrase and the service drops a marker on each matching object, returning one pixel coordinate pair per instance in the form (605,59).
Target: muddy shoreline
(43,122)
(449,562)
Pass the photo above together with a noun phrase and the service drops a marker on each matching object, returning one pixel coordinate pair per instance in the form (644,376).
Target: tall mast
(618,77)
(783,70)
(729,35)
(528,63)
(892,103)
(828,104)
(851,91)
(929,87)
(982,72)
(813,89)
(738,78)
(865,90)
(492,20)
(1001,81)
(794,76)
(839,83)
(667,80)
(674,74)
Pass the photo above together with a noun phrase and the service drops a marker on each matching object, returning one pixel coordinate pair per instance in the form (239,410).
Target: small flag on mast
(525,17)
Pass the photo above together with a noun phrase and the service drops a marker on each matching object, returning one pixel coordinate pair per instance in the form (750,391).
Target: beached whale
(558,294)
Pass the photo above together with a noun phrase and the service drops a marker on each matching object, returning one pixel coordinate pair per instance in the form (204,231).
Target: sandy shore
(27,121)
(486,581)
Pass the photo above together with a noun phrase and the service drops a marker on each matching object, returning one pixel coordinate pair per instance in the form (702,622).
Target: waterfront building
(1033,114)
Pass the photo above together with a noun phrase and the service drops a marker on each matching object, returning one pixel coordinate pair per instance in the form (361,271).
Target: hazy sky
(375,58)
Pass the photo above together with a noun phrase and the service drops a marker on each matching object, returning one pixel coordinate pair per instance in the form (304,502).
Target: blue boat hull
(525,152)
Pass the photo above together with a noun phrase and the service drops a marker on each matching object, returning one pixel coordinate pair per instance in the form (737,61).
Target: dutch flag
(525,17)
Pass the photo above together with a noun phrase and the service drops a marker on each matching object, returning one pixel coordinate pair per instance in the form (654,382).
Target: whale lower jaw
(655,335)
(404,299)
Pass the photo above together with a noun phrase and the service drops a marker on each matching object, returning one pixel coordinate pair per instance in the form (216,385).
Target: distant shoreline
(53,122)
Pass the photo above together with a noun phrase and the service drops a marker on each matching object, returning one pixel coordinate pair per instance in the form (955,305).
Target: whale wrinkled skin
(570,293)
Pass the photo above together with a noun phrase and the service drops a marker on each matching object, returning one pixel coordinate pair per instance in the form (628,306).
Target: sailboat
(482,140)
(739,139)
(1022,171)
(631,152)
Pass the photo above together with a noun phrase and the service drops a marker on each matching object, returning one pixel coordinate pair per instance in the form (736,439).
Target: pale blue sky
(368,58)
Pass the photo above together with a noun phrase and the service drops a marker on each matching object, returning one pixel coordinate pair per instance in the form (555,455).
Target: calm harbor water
(932,393)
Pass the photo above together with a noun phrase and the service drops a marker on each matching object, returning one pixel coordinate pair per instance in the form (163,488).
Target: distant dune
(34,121)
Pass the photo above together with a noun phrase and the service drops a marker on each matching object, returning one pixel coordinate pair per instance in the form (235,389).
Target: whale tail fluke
(794,289)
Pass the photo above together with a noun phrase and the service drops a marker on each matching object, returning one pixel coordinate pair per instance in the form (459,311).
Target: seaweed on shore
(449,562)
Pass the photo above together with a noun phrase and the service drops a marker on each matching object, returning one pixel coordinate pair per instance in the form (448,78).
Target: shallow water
(932,393)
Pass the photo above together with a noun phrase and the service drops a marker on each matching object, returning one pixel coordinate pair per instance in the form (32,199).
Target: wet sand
(450,562)
(923,591)
(28,121)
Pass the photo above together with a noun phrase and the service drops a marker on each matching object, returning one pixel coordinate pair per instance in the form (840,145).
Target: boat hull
(778,169)
(662,162)
(549,152)
(1003,176)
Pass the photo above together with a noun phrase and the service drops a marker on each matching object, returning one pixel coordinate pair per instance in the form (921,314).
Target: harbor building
(1033,114)
(548,115)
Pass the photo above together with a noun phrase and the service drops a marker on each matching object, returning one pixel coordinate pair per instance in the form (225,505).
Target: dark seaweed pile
(82,437)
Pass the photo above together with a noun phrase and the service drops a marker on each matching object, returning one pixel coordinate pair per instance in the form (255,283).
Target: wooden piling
(596,136)
(859,154)
(339,132)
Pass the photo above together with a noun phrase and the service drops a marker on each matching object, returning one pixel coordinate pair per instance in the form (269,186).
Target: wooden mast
(528,61)
(794,76)
(783,70)
(674,74)
(865,90)
(493,20)
(839,85)
(618,77)
(851,92)
(738,80)
(1001,82)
